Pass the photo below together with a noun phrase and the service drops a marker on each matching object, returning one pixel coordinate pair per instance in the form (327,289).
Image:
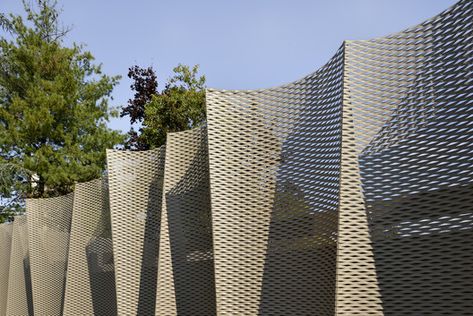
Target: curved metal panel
(135,190)
(49,224)
(274,180)
(20,296)
(185,271)
(5,248)
(409,101)
(90,283)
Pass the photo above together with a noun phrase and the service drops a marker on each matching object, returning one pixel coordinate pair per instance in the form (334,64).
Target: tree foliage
(54,105)
(178,107)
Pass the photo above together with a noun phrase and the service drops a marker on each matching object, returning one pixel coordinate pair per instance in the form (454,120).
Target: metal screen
(49,223)
(20,296)
(411,99)
(348,192)
(135,189)
(5,248)
(185,274)
(90,284)
(274,180)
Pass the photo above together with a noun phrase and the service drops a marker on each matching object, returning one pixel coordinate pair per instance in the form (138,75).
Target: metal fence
(348,192)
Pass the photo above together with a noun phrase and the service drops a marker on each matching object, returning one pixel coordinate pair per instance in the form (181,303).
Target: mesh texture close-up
(274,181)
(20,294)
(49,224)
(416,169)
(90,284)
(185,273)
(5,250)
(135,191)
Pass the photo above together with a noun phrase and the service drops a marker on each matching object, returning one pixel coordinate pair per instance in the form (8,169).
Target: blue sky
(239,44)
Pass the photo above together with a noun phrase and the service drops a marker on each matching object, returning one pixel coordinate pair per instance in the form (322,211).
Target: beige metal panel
(274,178)
(357,290)
(49,223)
(186,271)
(135,191)
(415,162)
(20,299)
(90,283)
(5,247)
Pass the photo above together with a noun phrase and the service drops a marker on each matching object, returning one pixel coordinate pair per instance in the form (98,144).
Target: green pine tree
(54,106)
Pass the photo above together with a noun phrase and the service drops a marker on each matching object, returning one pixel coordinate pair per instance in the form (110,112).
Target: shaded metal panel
(135,190)
(415,164)
(20,296)
(186,271)
(90,283)
(357,291)
(5,247)
(49,223)
(274,178)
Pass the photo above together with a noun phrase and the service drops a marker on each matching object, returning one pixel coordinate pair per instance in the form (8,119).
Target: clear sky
(239,44)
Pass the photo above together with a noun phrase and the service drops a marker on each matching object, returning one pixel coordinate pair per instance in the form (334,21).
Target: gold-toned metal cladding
(186,271)
(135,190)
(49,224)
(90,283)
(410,96)
(20,296)
(5,248)
(274,181)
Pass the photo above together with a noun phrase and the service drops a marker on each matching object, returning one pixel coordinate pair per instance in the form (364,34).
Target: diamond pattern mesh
(20,299)
(90,285)
(348,192)
(49,224)
(274,178)
(135,188)
(185,274)
(5,248)
(411,99)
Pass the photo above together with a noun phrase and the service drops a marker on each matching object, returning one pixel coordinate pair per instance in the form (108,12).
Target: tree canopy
(54,106)
(178,107)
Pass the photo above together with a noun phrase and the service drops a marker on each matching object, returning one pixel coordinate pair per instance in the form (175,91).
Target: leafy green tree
(54,106)
(178,107)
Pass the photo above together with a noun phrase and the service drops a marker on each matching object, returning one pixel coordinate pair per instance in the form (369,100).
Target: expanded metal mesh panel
(5,247)
(348,192)
(135,190)
(411,96)
(274,179)
(90,283)
(49,224)
(185,274)
(20,296)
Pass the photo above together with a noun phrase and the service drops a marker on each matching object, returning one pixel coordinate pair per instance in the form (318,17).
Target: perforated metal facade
(20,294)
(135,189)
(411,99)
(348,192)
(49,224)
(90,284)
(274,178)
(5,248)
(186,271)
